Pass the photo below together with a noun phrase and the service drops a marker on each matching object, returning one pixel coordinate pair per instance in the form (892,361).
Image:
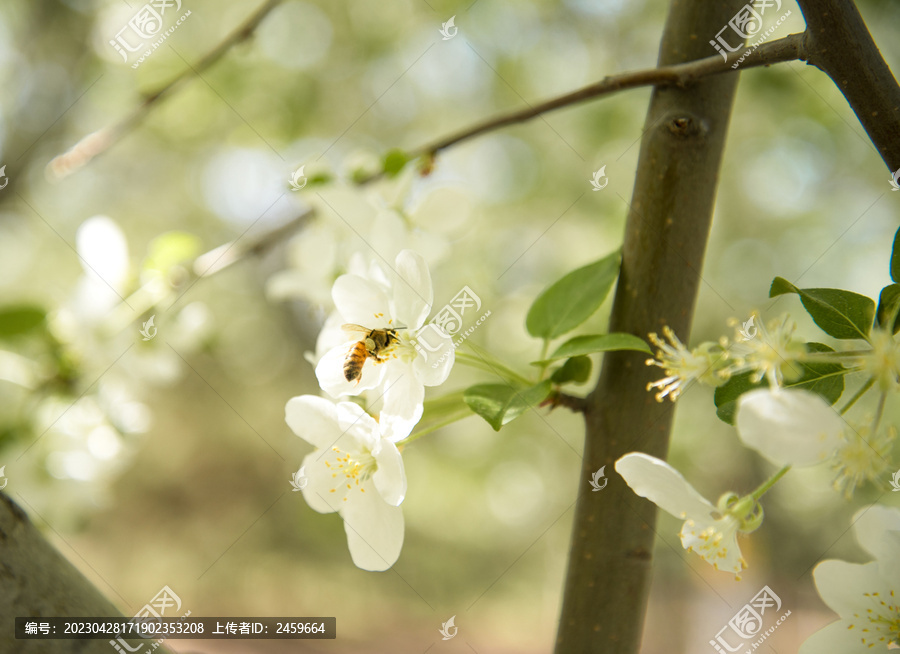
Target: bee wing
(350,328)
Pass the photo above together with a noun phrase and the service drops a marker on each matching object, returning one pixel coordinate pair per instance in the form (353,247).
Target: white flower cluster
(791,427)
(766,351)
(84,410)
(356,469)
(362,262)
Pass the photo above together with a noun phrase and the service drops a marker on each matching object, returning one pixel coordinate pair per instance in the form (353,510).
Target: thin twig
(98,142)
(226,254)
(789,48)
(572,402)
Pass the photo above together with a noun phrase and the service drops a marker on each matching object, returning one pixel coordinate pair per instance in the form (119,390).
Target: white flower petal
(403,399)
(789,427)
(878,531)
(663,485)
(434,345)
(374,530)
(361,302)
(842,585)
(390,479)
(715,541)
(330,373)
(314,419)
(834,639)
(331,335)
(321,480)
(103,250)
(413,293)
(358,425)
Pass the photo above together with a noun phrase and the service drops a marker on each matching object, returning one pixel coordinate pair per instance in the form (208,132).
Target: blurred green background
(167,462)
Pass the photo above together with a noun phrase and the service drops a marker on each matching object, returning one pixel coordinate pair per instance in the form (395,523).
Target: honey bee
(371,346)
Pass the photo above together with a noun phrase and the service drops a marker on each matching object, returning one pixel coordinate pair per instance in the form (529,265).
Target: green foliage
(500,404)
(895,258)
(19,320)
(841,314)
(394,161)
(826,379)
(575,370)
(888,306)
(573,299)
(323,178)
(590,343)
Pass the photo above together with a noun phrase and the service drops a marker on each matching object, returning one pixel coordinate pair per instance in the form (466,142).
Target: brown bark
(36,581)
(665,238)
(838,42)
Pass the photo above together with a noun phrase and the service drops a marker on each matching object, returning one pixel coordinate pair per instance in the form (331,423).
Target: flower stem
(771,481)
(862,391)
(545,347)
(484,361)
(434,427)
(880,411)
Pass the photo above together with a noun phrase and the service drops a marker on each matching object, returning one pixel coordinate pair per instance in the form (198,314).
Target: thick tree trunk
(36,581)
(665,238)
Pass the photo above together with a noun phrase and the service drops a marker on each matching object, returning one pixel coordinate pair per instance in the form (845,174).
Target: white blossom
(398,299)
(356,470)
(709,532)
(865,596)
(789,427)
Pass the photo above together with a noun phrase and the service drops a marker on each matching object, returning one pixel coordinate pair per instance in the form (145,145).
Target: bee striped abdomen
(355,360)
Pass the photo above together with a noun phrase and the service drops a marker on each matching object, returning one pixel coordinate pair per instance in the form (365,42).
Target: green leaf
(895,258)
(500,404)
(839,313)
(590,343)
(320,179)
(888,302)
(573,299)
(394,161)
(575,370)
(826,379)
(19,320)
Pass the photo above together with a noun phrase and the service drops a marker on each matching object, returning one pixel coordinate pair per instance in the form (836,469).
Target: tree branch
(839,44)
(665,238)
(680,75)
(98,142)
(219,258)
(571,402)
(37,582)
